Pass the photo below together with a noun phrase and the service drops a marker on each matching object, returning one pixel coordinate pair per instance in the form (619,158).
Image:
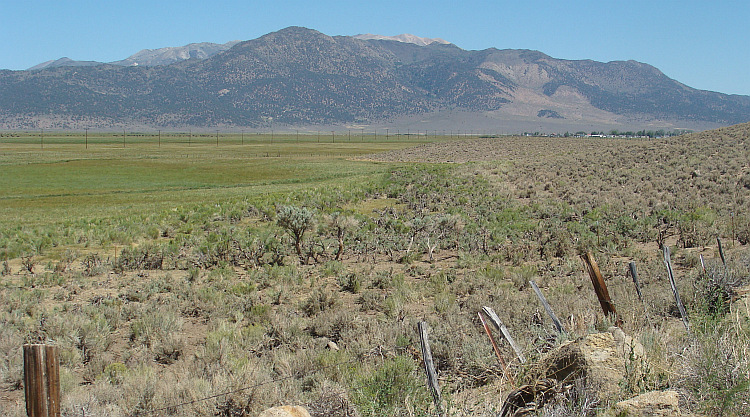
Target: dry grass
(212,297)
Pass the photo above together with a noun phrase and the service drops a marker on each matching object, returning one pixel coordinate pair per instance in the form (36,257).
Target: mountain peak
(404,37)
(63,62)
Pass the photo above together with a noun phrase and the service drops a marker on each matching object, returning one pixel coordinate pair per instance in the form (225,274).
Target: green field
(66,177)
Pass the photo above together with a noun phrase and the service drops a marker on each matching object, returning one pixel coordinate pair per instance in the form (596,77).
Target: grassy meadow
(179,276)
(49,177)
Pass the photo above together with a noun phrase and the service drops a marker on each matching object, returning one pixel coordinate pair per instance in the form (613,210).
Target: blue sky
(703,44)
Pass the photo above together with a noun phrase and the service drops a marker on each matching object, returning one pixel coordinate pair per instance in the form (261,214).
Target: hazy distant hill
(149,57)
(170,55)
(63,62)
(301,77)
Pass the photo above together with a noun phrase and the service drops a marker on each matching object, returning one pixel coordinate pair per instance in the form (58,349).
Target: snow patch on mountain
(404,37)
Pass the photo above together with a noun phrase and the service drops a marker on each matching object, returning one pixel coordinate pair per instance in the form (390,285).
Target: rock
(595,358)
(285,411)
(632,352)
(628,347)
(601,361)
(653,403)
(332,345)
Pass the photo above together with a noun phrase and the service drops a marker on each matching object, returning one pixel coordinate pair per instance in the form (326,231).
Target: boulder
(599,363)
(627,347)
(653,403)
(595,358)
(285,411)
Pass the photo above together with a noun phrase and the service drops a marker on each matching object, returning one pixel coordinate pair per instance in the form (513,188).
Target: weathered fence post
(600,288)
(670,273)
(490,313)
(558,324)
(429,366)
(721,252)
(636,282)
(496,349)
(41,377)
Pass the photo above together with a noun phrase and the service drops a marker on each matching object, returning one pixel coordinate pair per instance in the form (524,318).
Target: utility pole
(217,138)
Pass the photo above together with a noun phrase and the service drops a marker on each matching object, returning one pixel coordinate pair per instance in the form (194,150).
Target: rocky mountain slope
(301,77)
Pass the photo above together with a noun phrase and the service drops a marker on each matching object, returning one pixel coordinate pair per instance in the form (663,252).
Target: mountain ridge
(404,37)
(299,77)
(149,57)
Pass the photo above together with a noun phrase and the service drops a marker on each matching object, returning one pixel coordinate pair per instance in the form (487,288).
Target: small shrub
(114,373)
(193,274)
(28,263)
(370,300)
(392,389)
(92,265)
(332,268)
(382,280)
(296,221)
(319,300)
(351,282)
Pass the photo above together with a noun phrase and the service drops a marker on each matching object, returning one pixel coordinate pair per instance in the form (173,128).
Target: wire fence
(174,407)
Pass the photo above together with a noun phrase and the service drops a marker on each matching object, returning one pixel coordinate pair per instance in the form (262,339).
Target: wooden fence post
(490,313)
(670,273)
(429,366)
(496,349)
(41,377)
(634,275)
(721,252)
(558,324)
(600,288)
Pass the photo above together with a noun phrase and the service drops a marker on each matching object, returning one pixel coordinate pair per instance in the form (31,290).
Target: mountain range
(149,57)
(301,78)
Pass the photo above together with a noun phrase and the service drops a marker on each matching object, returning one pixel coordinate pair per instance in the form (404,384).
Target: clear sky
(704,44)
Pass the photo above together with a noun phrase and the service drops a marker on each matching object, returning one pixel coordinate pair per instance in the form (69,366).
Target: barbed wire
(249,387)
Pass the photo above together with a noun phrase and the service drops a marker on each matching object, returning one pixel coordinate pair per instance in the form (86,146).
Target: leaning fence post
(670,273)
(429,366)
(721,252)
(600,288)
(490,313)
(41,377)
(496,349)
(558,325)
(634,275)
(637,283)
